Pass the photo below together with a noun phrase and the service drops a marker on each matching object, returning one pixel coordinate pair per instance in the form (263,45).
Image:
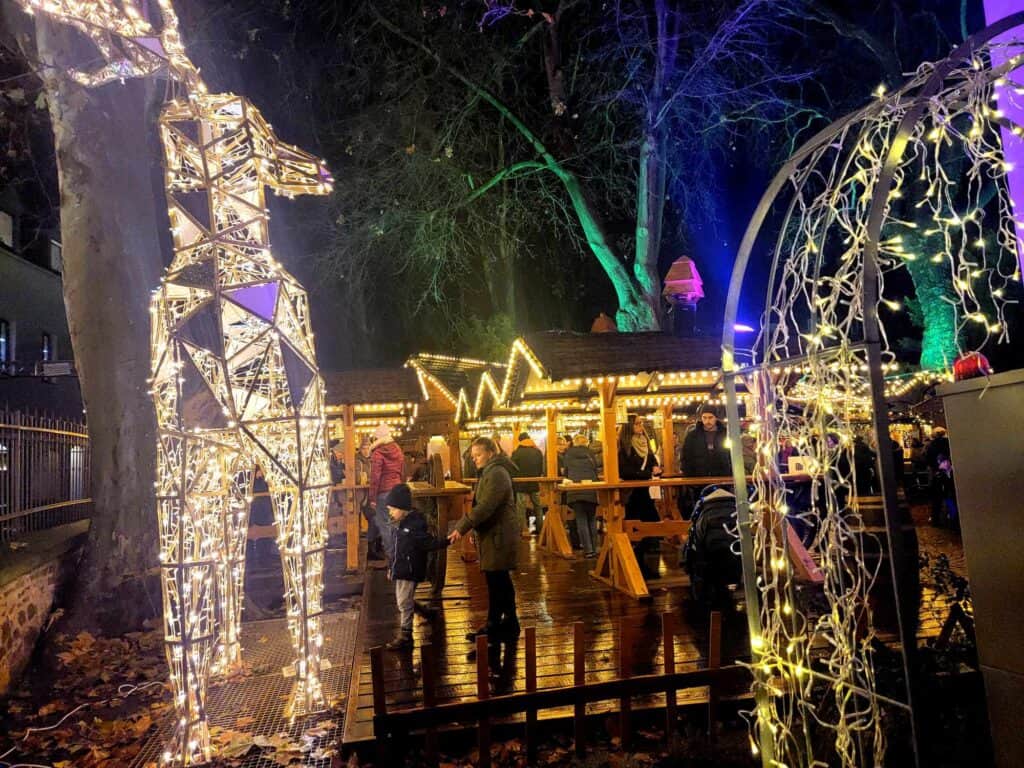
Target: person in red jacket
(387,463)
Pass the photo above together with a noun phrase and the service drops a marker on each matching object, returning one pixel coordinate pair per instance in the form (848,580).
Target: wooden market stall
(561,380)
(356,403)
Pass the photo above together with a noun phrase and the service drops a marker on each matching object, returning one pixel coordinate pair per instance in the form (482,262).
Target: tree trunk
(506,298)
(110,225)
(651,180)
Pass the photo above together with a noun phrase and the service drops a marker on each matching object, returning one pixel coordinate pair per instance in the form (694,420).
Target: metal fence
(44,473)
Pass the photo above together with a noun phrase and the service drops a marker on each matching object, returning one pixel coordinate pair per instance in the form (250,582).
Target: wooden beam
(668,449)
(551,455)
(454,451)
(609,436)
(351,514)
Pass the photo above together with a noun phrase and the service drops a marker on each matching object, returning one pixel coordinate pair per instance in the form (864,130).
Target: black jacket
(529,462)
(698,461)
(337,470)
(580,465)
(412,543)
(639,504)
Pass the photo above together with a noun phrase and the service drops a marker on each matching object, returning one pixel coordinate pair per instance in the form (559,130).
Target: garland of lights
(234,377)
(810,379)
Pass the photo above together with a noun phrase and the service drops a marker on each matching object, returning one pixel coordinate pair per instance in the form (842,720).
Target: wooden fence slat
(428,667)
(669,652)
(380,704)
(625,672)
(714,662)
(579,673)
(531,687)
(483,691)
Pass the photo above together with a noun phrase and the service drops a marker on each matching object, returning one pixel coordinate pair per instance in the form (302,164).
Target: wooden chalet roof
(568,355)
(456,374)
(372,385)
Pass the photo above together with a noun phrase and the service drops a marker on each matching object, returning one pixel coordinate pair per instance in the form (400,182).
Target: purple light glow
(258,299)
(742,328)
(1012,107)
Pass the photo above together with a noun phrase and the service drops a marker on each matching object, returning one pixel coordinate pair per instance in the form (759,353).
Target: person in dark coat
(704,448)
(411,543)
(638,462)
(529,462)
(940,476)
(493,517)
(580,465)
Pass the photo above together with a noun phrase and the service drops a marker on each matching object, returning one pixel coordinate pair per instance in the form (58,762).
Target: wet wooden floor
(552,593)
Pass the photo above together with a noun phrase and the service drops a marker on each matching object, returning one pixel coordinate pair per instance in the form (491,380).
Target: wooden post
(428,665)
(483,691)
(625,672)
(714,662)
(380,705)
(531,687)
(551,455)
(669,652)
(668,449)
(351,512)
(579,679)
(609,438)
(454,451)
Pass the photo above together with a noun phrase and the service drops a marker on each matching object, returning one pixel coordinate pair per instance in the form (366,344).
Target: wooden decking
(552,594)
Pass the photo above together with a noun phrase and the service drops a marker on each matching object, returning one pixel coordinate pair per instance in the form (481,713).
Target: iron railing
(44,473)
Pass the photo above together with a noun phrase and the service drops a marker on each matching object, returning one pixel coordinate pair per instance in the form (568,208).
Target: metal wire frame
(916,95)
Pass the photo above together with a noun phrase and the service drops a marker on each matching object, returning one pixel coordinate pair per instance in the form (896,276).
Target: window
(7,230)
(5,342)
(47,348)
(56,256)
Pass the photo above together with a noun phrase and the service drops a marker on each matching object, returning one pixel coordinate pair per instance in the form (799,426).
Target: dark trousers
(501,598)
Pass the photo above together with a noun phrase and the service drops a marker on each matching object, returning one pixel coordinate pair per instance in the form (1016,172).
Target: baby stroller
(708,555)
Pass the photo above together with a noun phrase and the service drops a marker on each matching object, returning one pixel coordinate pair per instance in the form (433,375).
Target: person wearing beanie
(408,566)
(387,467)
(529,462)
(704,450)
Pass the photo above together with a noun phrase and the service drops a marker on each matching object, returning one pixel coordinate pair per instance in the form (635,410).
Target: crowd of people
(507,503)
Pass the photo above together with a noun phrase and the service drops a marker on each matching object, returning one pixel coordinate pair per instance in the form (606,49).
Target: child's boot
(402,641)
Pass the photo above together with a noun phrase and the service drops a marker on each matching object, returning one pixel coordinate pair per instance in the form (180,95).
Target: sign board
(621,414)
(659,419)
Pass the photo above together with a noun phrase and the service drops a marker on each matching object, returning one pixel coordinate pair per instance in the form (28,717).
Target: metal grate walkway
(253,706)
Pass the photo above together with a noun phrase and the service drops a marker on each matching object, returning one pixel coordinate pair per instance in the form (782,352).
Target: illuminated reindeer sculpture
(234,377)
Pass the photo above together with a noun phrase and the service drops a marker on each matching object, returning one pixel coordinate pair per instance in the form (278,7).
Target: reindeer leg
(190,542)
(237,482)
(302,554)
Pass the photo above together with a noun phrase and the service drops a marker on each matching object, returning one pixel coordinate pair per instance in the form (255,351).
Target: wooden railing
(44,473)
(391,727)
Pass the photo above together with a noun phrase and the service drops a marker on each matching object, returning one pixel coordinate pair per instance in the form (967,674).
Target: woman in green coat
(493,517)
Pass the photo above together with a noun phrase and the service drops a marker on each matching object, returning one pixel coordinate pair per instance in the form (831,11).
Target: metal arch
(929,85)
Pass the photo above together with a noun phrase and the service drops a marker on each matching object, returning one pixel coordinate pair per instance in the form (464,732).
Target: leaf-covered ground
(99,701)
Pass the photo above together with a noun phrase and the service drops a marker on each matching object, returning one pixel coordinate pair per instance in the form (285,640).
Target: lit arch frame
(842,359)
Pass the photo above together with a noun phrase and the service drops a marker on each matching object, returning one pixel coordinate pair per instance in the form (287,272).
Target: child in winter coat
(408,567)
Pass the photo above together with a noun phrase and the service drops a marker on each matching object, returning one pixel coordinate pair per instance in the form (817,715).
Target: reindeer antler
(124,37)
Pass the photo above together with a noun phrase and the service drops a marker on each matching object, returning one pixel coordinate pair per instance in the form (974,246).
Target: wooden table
(616,564)
(450,500)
